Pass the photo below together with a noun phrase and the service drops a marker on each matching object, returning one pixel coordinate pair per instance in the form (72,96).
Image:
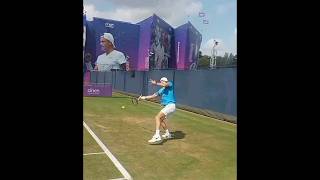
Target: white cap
(164,79)
(109,37)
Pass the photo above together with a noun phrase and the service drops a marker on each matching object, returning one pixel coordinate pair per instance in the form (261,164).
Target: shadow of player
(177,135)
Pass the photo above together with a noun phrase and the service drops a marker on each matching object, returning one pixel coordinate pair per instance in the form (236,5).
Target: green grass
(205,148)
(98,166)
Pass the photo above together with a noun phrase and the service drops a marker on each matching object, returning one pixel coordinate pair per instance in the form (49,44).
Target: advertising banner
(126,37)
(97,90)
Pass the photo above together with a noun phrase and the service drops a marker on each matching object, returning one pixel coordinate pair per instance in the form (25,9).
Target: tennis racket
(135,100)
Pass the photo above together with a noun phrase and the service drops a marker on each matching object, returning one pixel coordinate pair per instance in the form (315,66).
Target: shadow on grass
(178,135)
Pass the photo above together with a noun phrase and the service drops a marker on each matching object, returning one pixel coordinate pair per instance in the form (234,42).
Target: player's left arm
(162,83)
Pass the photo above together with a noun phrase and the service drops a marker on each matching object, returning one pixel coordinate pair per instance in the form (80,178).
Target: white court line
(93,153)
(118,179)
(123,171)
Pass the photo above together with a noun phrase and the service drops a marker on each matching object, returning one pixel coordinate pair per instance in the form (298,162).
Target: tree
(230,59)
(204,62)
(219,60)
(225,59)
(234,61)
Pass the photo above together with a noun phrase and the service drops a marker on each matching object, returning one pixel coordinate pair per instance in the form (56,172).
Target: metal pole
(213,60)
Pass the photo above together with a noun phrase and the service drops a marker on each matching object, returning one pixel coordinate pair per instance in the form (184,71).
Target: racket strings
(134,100)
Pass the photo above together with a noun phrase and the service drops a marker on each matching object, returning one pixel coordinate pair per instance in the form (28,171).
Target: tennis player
(168,100)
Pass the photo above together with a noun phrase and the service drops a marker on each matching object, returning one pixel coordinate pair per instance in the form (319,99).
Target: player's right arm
(149,97)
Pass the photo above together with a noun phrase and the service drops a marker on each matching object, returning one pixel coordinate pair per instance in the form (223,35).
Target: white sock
(167,131)
(157,132)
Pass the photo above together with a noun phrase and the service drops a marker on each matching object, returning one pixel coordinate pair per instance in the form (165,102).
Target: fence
(205,90)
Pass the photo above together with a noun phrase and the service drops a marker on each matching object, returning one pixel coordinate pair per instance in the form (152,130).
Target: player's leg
(163,123)
(167,134)
(167,110)
(156,137)
(159,118)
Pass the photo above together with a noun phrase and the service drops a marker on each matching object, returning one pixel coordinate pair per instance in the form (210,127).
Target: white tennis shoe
(167,136)
(155,139)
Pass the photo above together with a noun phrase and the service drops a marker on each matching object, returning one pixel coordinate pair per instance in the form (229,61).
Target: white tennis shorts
(168,109)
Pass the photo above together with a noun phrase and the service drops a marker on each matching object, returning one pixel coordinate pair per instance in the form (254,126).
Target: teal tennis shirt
(167,94)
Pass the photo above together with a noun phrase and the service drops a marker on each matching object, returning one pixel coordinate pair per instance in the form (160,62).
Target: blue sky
(221,15)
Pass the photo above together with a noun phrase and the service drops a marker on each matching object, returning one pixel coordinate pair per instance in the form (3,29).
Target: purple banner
(161,44)
(97,90)
(193,46)
(90,45)
(156,44)
(144,46)
(126,37)
(180,44)
(149,44)
(187,42)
